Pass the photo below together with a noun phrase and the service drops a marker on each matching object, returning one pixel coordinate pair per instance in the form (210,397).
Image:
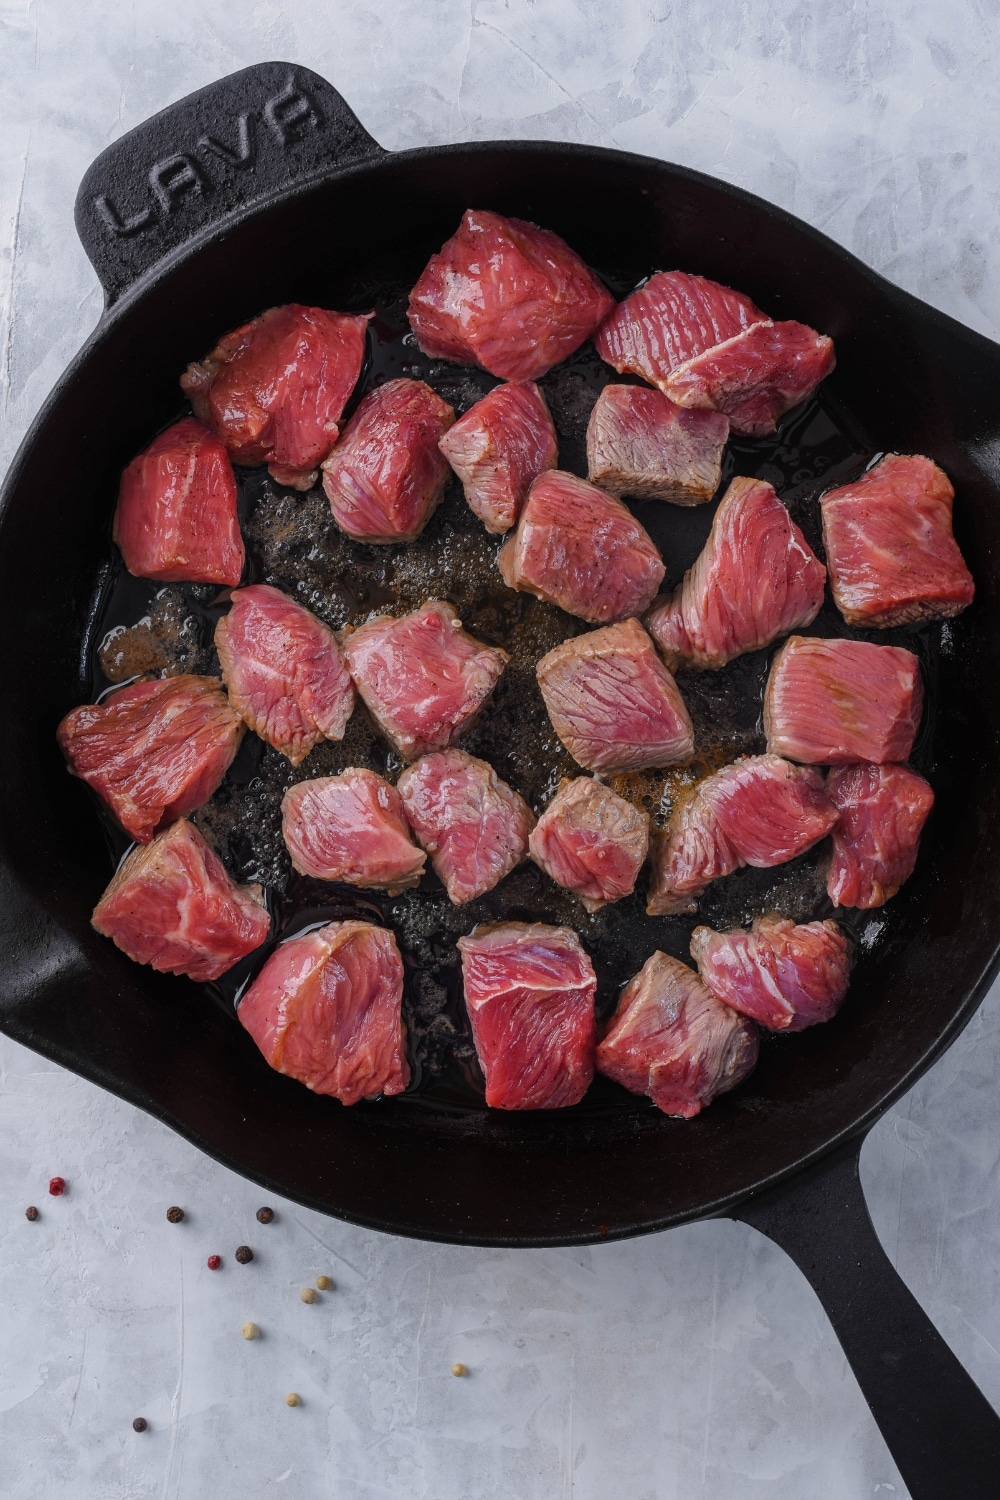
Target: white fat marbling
(691,1366)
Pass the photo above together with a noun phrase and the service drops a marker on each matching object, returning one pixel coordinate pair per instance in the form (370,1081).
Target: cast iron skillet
(264,188)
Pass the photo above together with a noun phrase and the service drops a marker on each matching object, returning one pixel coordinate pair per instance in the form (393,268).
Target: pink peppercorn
(214,1262)
(57,1186)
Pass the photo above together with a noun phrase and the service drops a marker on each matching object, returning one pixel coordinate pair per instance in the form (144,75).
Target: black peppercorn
(139,1424)
(243,1254)
(175,1214)
(265,1215)
(31,1213)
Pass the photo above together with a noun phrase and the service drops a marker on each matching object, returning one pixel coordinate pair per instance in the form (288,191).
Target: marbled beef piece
(709,347)
(755,377)
(386,476)
(760,811)
(274,389)
(473,825)
(639,443)
(529,991)
(673,1041)
(829,702)
(172,905)
(756,578)
(351,828)
(423,678)
(591,842)
(670,319)
(580,548)
(283,670)
(326,1009)
(154,750)
(176,516)
(498,448)
(505,295)
(892,555)
(613,703)
(882,813)
(784,976)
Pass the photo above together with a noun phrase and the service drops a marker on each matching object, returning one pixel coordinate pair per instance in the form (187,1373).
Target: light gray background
(692,1366)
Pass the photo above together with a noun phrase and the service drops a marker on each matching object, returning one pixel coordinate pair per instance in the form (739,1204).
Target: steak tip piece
(890,546)
(423,678)
(351,828)
(834,701)
(613,703)
(784,975)
(671,1039)
(172,905)
(326,1010)
(580,548)
(529,991)
(507,296)
(473,825)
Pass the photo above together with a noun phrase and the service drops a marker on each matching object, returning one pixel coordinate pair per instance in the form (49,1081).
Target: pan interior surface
(433,1162)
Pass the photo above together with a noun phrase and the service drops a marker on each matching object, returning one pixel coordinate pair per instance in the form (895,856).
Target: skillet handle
(940,1429)
(208,157)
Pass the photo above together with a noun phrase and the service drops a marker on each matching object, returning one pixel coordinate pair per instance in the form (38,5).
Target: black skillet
(265,188)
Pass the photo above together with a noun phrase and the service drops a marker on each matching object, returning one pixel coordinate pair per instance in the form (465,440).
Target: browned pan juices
(293,543)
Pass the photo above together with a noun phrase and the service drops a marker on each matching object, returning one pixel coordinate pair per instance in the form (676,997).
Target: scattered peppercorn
(139,1424)
(57,1186)
(31,1213)
(308,1295)
(250,1331)
(459,1370)
(324,1283)
(214,1262)
(175,1215)
(292,1400)
(244,1254)
(265,1215)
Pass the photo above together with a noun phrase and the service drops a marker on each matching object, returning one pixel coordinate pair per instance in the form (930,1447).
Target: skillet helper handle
(207,158)
(942,1432)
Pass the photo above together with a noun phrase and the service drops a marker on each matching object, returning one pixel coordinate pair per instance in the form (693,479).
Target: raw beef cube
(670,319)
(882,812)
(892,556)
(423,678)
(591,842)
(154,750)
(755,377)
(783,976)
(639,443)
(672,1040)
(832,701)
(686,857)
(529,990)
(173,906)
(506,295)
(352,828)
(473,825)
(283,670)
(498,448)
(755,579)
(613,703)
(326,1009)
(759,811)
(176,516)
(580,548)
(274,390)
(386,475)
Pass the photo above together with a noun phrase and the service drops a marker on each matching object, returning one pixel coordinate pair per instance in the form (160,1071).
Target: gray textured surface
(692,1366)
